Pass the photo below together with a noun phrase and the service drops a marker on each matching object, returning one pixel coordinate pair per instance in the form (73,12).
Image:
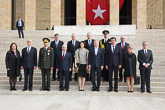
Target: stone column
(5,14)
(30,14)
(81,12)
(114,12)
(164,14)
(55,12)
(141,14)
(134,11)
(62,11)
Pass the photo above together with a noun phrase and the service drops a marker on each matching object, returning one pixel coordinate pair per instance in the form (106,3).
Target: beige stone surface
(5,14)
(134,11)
(55,12)
(141,14)
(30,14)
(81,12)
(80,102)
(114,12)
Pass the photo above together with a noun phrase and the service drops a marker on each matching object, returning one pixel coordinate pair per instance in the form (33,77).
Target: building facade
(39,14)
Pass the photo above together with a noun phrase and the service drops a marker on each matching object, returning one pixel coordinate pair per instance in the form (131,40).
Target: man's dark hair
(113,38)
(19,17)
(56,35)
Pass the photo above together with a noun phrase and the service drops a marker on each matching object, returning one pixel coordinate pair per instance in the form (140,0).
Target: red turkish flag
(97,11)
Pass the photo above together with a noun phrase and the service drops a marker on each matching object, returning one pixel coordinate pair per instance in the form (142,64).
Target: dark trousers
(98,70)
(20,30)
(105,74)
(110,71)
(61,75)
(121,75)
(70,76)
(145,78)
(54,73)
(45,81)
(28,72)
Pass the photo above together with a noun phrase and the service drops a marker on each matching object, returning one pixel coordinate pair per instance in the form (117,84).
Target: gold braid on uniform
(102,45)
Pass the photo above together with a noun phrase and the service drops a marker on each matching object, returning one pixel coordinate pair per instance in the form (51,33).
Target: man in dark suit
(20,27)
(46,63)
(72,46)
(103,44)
(145,58)
(28,63)
(64,66)
(96,63)
(89,43)
(113,62)
(57,46)
(123,46)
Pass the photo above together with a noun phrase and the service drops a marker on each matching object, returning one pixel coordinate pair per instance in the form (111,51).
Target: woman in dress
(129,67)
(81,62)
(13,65)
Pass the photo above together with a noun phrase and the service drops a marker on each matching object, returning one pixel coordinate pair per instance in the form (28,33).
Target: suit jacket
(64,65)
(29,60)
(145,59)
(87,45)
(94,60)
(71,48)
(56,49)
(125,48)
(113,59)
(46,58)
(21,23)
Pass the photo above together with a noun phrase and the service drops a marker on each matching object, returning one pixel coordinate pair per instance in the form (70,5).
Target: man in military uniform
(46,60)
(103,44)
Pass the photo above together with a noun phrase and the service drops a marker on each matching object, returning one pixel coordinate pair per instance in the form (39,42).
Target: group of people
(89,58)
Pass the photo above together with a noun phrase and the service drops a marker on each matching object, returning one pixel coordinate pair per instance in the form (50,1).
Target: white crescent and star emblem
(98,12)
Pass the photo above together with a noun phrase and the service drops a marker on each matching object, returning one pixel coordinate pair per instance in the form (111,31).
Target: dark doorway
(126,13)
(70,12)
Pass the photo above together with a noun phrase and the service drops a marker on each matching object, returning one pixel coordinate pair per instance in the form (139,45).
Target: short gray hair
(144,42)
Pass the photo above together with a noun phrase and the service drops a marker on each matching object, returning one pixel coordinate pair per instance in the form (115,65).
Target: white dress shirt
(112,48)
(145,50)
(73,42)
(19,23)
(96,50)
(63,53)
(28,48)
(105,40)
(56,42)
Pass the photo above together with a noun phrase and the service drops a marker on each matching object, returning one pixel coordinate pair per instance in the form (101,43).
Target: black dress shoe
(110,90)
(48,89)
(120,80)
(53,80)
(142,91)
(93,89)
(42,89)
(61,89)
(30,90)
(116,90)
(14,89)
(98,89)
(149,91)
(24,89)
(67,90)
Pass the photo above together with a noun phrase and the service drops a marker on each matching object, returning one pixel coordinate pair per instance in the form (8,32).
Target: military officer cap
(46,40)
(105,32)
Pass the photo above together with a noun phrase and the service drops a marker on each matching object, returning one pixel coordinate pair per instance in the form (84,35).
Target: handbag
(137,80)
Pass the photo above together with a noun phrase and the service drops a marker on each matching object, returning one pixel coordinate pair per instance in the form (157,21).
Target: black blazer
(72,49)
(113,59)
(145,59)
(58,48)
(21,22)
(29,60)
(13,63)
(94,60)
(127,64)
(64,65)
(87,45)
(125,48)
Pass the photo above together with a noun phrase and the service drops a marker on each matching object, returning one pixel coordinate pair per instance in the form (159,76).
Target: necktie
(73,43)
(28,50)
(122,46)
(89,43)
(145,52)
(63,55)
(18,23)
(113,49)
